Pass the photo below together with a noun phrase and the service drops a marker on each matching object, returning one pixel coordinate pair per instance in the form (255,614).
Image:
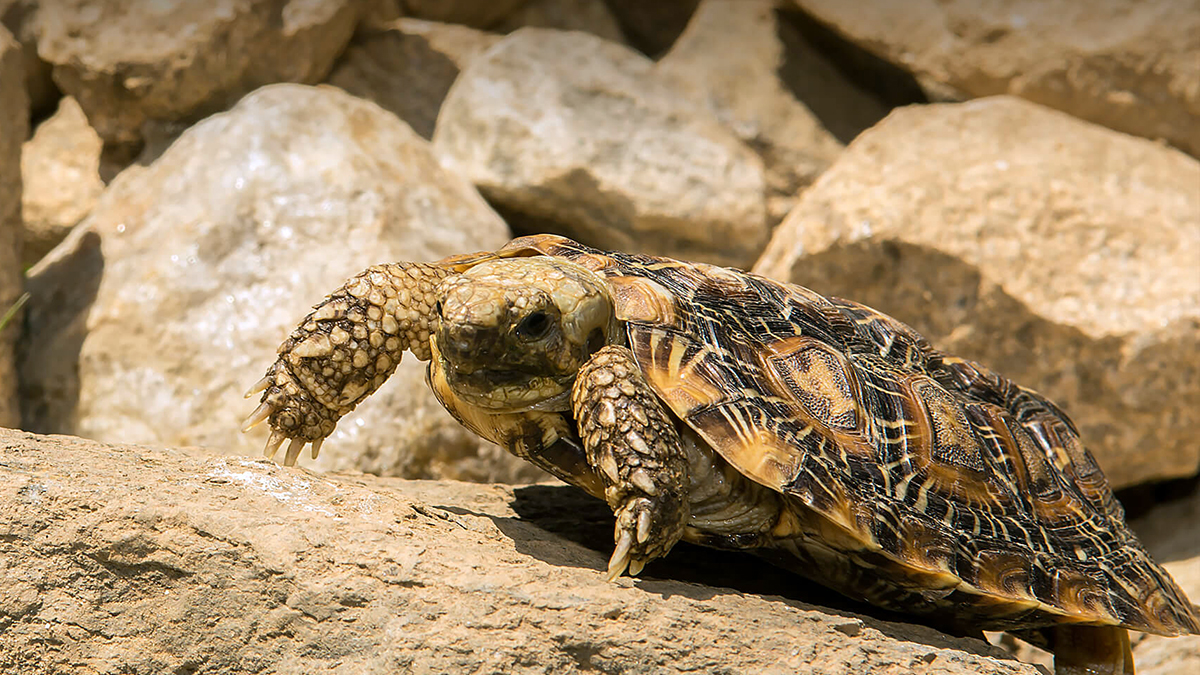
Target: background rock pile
(179,182)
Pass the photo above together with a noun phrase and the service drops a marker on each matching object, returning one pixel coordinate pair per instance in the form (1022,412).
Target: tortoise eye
(534,326)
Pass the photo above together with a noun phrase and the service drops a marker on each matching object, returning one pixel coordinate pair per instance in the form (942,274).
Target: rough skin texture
(632,443)
(344,350)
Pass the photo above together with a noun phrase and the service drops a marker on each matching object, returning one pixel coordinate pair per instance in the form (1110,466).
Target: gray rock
(14,110)
(407,67)
(759,76)
(1133,67)
(127,64)
(1055,251)
(571,134)
(60,167)
(208,257)
(137,560)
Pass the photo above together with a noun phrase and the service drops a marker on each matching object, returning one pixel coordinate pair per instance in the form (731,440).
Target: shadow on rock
(695,572)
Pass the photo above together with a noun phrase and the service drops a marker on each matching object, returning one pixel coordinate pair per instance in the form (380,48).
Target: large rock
(407,67)
(14,111)
(1060,253)
(128,62)
(125,559)
(60,167)
(1134,67)
(201,263)
(568,133)
(766,83)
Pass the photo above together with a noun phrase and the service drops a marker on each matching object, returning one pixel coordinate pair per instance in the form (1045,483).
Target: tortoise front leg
(634,447)
(344,350)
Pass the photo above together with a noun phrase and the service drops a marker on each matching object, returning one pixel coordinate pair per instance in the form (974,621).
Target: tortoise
(726,409)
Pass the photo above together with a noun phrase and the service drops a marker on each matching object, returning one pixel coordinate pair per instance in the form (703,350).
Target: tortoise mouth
(510,389)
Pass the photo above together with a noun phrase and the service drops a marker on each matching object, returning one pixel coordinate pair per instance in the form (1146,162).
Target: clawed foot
(288,416)
(644,531)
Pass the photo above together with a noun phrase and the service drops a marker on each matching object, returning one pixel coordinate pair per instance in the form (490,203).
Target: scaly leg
(1092,650)
(344,350)
(632,443)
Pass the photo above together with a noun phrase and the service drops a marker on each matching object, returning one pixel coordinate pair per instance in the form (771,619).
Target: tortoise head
(513,333)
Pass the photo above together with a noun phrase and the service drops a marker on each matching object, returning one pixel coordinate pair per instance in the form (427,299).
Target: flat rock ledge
(130,559)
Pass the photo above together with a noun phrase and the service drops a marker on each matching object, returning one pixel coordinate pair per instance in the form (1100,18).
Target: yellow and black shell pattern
(967,495)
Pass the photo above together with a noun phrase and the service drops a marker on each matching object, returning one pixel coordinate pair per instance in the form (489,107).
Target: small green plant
(12,311)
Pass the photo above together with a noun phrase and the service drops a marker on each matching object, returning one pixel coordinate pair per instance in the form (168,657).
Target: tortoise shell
(940,487)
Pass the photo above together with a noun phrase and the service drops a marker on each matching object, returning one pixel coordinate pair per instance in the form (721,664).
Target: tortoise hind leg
(1091,650)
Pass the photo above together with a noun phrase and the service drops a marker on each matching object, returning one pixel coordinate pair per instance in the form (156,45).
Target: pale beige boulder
(60,167)
(1059,253)
(1130,66)
(568,133)
(119,558)
(130,63)
(169,300)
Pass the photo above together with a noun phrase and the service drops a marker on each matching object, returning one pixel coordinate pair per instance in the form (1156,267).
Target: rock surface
(14,110)
(408,67)
(571,134)
(763,80)
(126,559)
(60,167)
(129,63)
(1131,67)
(1057,252)
(209,257)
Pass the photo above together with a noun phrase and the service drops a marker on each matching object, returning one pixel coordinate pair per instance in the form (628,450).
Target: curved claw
(259,386)
(273,444)
(261,413)
(636,567)
(293,451)
(620,557)
(316,447)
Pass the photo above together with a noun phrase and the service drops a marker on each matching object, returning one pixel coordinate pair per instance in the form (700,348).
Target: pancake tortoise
(726,409)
